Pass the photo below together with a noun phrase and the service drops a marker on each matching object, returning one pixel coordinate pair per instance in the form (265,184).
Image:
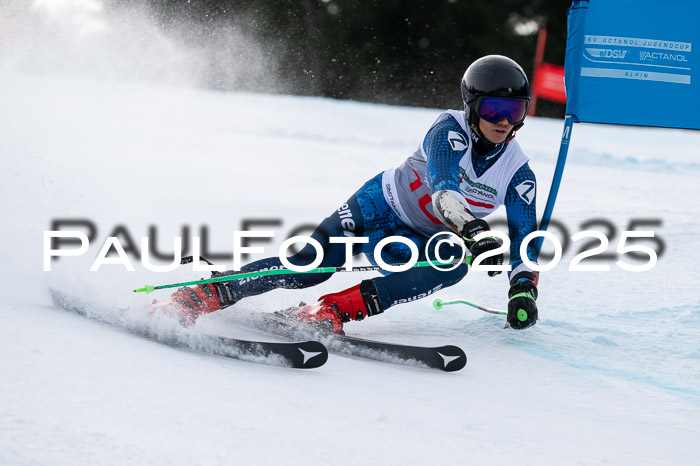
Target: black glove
(472,229)
(522,309)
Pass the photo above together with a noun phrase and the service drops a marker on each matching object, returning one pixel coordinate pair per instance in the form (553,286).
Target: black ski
(448,358)
(298,354)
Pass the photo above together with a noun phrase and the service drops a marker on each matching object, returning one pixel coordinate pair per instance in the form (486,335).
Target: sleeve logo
(526,191)
(457,141)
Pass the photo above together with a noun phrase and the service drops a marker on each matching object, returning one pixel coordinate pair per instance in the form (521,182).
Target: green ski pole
(439,303)
(262,273)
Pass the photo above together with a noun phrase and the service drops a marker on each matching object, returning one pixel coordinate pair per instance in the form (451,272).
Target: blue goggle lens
(494,109)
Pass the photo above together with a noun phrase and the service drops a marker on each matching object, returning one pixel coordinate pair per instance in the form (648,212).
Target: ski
(448,358)
(298,354)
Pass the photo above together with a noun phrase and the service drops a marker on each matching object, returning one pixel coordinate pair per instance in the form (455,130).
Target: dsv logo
(607,53)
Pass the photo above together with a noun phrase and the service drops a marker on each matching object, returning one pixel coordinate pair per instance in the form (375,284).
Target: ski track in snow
(610,374)
(615,348)
(138,322)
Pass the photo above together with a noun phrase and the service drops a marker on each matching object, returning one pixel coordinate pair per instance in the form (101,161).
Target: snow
(611,373)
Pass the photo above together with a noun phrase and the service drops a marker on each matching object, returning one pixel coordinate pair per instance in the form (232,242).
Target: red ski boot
(332,310)
(187,304)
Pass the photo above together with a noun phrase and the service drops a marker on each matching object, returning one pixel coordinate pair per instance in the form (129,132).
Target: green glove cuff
(521,314)
(521,295)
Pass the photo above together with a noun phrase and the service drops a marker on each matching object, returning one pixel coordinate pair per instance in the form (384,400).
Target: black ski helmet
(493,76)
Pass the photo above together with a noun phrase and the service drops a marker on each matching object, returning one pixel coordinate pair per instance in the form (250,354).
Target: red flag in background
(548,80)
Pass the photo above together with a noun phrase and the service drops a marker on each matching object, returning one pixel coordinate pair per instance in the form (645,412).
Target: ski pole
(262,273)
(438,303)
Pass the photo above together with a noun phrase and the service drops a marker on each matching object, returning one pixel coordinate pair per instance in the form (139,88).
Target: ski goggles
(494,109)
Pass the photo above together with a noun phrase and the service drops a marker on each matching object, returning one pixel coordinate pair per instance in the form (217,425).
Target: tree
(388,51)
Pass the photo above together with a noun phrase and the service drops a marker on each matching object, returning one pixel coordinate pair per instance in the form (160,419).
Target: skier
(467,166)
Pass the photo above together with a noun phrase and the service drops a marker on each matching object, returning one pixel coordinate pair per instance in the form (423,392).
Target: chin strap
(511,136)
(482,145)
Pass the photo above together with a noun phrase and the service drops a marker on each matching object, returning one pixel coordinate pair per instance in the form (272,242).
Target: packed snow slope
(611,373)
